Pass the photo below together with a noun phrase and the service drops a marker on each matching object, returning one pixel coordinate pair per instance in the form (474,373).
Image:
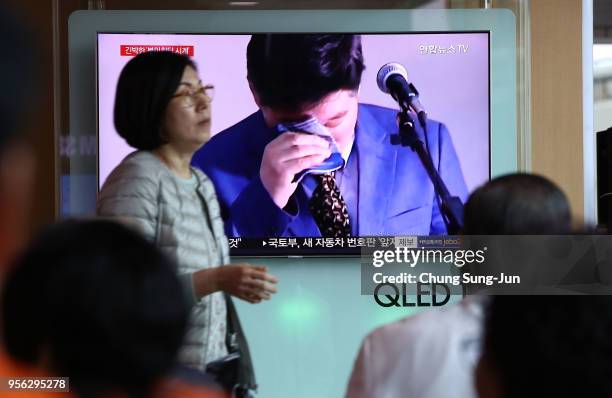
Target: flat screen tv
(462,62)
(451,72)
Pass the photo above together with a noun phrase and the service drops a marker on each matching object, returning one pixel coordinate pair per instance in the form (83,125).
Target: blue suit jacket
(395,194)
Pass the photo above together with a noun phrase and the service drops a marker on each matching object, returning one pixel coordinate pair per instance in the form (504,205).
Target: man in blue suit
(383,188)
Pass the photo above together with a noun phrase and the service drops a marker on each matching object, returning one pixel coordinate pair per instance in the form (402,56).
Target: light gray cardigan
(184,221)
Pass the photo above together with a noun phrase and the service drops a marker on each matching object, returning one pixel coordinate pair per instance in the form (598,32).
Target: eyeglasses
(190,96)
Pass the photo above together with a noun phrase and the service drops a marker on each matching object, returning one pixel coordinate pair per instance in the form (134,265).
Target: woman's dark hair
(550,346)
(517,204)
(294,71)
(101,302)
(145,87)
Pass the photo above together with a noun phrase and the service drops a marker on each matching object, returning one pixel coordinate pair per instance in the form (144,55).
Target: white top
(429,355)
(182,217)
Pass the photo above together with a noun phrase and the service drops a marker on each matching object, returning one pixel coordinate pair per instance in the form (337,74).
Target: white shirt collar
(347,151)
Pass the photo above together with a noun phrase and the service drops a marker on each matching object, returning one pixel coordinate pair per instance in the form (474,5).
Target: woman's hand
(248,282)
(251,283)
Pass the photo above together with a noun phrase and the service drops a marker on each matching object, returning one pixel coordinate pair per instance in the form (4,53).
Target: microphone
(392,79)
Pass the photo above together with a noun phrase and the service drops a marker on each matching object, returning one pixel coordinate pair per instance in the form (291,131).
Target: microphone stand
(450,206)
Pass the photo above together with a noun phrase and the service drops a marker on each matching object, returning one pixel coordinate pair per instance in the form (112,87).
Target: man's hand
(284,157)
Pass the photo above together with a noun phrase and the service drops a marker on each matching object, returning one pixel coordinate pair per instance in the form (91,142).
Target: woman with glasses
(164,111)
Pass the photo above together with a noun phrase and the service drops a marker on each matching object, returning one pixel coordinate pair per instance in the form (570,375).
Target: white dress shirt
(428,355)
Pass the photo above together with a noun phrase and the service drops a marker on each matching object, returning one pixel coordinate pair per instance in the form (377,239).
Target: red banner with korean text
(131,50)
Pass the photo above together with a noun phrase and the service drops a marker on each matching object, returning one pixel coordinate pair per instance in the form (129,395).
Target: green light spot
(300,315)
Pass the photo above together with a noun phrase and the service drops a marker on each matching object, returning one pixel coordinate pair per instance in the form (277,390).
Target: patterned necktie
(328,208)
